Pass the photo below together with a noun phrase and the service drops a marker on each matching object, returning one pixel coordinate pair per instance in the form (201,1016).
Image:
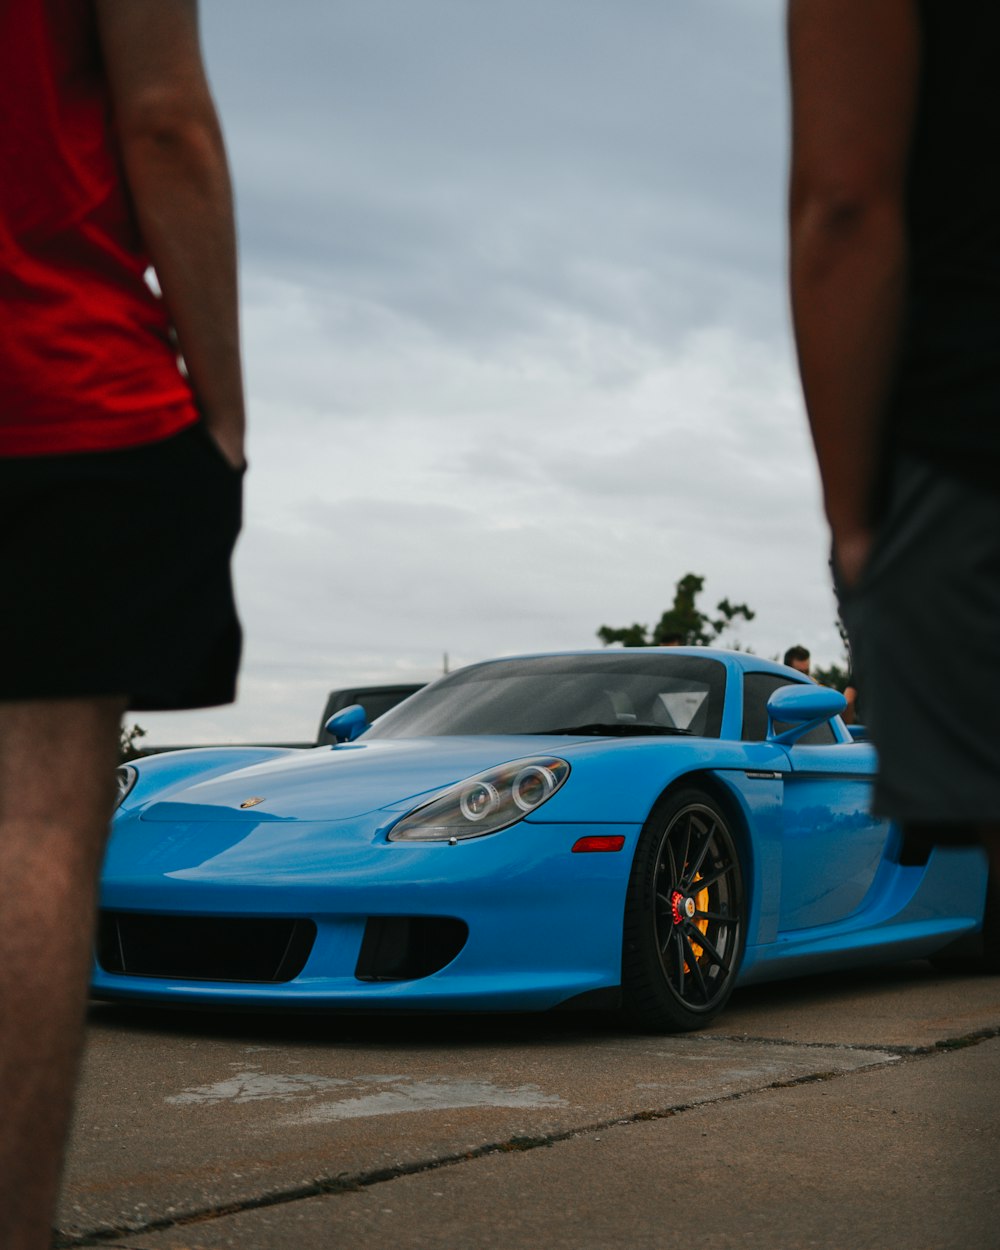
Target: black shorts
(116,575)
(924,625)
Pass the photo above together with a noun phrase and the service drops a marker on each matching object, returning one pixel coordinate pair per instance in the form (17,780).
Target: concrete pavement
(841,1111)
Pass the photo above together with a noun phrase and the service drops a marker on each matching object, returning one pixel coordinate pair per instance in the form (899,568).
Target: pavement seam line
(345,1183)
(932,1048)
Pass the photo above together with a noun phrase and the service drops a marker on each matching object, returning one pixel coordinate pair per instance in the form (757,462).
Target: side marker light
(601,842)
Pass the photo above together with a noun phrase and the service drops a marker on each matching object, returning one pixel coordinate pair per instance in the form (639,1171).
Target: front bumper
(544,924)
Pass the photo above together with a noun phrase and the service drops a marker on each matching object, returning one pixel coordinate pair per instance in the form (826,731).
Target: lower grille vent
(405,948)
(203,948)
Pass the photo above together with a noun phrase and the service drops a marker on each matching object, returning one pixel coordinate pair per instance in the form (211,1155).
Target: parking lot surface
(841,1111)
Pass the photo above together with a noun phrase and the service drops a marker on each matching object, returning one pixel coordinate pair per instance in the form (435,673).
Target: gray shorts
(924,625)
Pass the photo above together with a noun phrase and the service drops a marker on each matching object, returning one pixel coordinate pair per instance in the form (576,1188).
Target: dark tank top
(946,400)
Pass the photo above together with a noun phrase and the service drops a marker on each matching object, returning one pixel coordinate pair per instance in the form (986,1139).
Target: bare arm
(175,163)
(854,71)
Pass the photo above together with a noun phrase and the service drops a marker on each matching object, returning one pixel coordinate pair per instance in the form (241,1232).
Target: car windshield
(605,693)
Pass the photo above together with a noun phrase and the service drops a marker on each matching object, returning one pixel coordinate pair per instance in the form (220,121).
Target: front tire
(685,916)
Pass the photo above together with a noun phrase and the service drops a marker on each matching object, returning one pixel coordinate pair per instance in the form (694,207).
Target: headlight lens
(484,804)
(479,801)
(125,778)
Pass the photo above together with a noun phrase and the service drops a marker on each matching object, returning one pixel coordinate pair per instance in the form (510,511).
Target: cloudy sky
(516,333)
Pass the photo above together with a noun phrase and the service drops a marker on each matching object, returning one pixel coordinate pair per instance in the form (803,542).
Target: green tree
(128,739)
(682,622)
(836,675)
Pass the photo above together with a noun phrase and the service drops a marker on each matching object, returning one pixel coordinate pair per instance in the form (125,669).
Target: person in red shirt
(121,460)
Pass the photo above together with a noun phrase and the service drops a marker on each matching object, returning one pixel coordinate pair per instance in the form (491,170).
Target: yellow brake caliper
(685,909)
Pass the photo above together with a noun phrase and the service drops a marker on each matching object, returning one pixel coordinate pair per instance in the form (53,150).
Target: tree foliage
(837,675)
(683,622)
(128,739)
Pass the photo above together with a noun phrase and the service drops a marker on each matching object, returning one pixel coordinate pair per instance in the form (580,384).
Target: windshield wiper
(618,729)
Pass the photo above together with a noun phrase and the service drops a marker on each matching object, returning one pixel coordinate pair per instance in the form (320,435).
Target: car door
(832,845)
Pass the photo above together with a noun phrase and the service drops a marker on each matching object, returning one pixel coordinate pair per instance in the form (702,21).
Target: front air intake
(203,948)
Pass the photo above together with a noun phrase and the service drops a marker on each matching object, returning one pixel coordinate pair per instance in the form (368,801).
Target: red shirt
(86,359)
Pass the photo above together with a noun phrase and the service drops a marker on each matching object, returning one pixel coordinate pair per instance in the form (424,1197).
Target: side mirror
(802,708)
(347,724)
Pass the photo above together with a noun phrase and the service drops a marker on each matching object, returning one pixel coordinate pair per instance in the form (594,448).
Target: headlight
(486,803)
(125,778)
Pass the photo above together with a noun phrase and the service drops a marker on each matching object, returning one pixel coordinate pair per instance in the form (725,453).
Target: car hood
(332,784)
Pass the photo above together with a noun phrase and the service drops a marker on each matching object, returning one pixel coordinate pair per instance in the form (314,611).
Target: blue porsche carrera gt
(642,829)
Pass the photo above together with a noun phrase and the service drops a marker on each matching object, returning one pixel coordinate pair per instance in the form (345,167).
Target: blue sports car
(642,829)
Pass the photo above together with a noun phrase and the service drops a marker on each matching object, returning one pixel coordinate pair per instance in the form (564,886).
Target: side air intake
(405,948)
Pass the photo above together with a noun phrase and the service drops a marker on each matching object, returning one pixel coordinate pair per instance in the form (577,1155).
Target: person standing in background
(895,284)
(120,492)
(798,657)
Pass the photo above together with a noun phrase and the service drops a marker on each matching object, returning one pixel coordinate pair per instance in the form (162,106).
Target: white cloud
(516,338)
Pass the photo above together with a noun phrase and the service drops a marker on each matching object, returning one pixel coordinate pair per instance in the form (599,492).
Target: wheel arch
(761,871)
(711,784)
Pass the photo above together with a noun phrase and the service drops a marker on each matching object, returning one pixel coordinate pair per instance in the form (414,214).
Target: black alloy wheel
(685,916)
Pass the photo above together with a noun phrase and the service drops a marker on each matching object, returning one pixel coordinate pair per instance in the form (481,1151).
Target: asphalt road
(842,1112)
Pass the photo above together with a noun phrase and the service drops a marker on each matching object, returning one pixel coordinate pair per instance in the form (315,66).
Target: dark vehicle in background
(374,699)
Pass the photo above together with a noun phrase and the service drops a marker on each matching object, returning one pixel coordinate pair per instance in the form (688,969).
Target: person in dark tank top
(895,285)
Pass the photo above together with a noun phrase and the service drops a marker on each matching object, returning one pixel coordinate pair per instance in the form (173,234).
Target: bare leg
(56,768)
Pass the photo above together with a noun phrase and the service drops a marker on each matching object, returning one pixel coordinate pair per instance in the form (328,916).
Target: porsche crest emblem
(258,798)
